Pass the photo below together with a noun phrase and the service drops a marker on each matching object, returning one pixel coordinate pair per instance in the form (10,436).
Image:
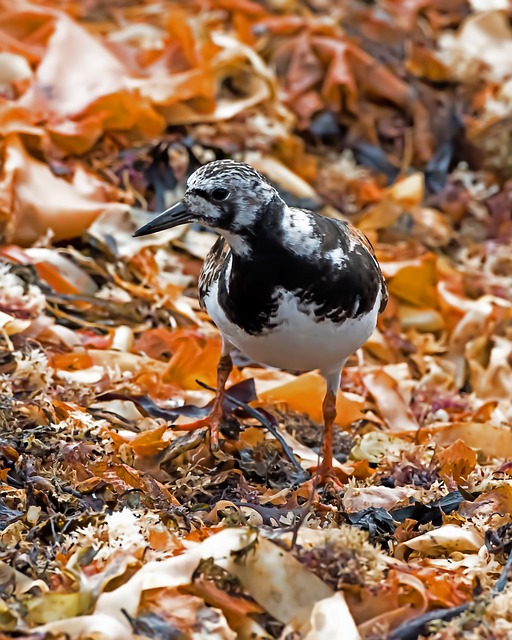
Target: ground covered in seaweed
(117,522)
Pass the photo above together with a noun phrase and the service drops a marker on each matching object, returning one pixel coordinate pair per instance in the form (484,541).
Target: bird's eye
(220,194)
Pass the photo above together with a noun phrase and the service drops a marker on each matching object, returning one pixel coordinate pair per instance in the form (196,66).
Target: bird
(288,287)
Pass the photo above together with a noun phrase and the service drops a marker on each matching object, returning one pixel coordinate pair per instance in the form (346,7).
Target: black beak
(176,215)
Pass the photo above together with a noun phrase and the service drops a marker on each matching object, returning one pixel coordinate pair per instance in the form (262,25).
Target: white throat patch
(238,245)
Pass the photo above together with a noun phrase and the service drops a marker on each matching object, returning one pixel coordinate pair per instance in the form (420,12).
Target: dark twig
(412,629)
(505,576)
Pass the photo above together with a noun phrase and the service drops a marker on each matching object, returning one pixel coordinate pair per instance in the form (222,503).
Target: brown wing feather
(212,267)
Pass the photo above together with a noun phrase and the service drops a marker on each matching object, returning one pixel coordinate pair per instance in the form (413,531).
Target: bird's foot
(212,422)
(326,474)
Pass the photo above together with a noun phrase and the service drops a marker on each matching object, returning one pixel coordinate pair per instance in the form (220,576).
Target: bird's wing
(383,286)
(212,267)
(347,232)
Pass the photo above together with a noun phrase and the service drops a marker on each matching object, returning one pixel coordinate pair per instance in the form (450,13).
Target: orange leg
(224,368)
(213,419)
(326,469)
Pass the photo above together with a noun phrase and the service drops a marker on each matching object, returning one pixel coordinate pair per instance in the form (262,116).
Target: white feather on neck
(238,245)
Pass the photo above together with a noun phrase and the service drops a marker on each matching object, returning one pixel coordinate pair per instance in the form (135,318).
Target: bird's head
(226,196)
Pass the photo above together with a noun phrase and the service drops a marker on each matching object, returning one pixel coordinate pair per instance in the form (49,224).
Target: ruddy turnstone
(288,287)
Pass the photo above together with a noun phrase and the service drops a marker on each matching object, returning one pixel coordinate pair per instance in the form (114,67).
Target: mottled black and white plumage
(338,281)
(272,262)
(290,288)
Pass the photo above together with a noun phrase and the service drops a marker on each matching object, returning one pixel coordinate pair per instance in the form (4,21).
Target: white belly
(298,342)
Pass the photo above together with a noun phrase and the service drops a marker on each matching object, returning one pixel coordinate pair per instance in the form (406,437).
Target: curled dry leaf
(407,599)
(42,201)
(12,325)
(305,393)
(491,373)
(332,618)
(22,584)
(484,39)
(496,501)
(398,199)
(390,401)
(234,64)
(119,224)
(424,320)
(446,539)
(414,281)
(492,440)
(388,498)
(375,446)
(456,461)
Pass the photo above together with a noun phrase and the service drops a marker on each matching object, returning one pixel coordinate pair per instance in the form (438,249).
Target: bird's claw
(214,432)
(212,422)
(325,475)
